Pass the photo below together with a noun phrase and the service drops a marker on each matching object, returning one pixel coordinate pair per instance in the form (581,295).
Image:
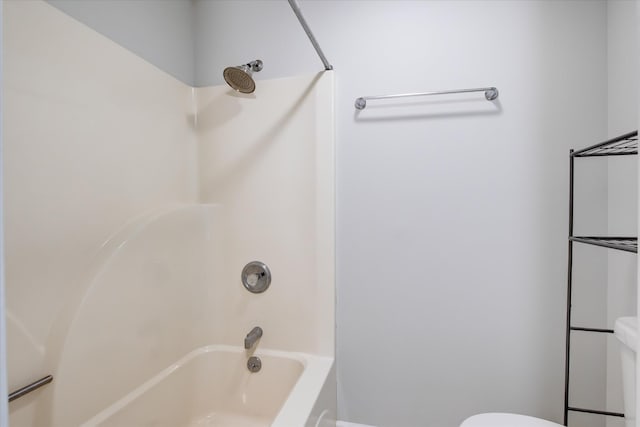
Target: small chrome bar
(314,42)
(490,93)
(29,388)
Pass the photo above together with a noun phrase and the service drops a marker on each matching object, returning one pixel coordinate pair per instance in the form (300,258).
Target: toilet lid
(506,420)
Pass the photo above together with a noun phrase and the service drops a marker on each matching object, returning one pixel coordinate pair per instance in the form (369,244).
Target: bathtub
(212,387)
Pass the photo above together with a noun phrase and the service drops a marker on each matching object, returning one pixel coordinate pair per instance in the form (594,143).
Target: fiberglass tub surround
(155,202)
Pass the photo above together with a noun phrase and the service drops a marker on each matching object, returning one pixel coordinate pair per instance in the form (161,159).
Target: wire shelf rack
(620,146)
(628,244)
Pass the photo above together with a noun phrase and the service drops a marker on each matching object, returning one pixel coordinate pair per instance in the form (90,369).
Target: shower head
(239,77)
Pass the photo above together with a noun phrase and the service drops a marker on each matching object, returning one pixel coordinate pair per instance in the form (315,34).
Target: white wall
(159,31)
(452,216)
(268,160)
(622,191)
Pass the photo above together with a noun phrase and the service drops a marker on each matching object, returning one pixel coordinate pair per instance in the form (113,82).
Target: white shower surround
(102,141)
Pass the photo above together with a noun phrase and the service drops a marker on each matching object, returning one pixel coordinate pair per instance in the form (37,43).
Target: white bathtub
(212,387)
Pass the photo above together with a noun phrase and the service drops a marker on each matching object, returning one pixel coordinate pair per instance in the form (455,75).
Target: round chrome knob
(256,277)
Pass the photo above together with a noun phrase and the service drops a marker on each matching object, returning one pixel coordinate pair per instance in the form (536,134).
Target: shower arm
(314,42)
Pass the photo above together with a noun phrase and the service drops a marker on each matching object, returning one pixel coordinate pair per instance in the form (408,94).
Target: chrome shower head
(239,77)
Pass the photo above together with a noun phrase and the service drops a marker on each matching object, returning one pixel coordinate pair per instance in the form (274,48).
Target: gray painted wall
(232,32)
(622,48)
(176,35)
(162,32)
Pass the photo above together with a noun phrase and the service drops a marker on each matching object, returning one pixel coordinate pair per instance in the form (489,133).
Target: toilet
(626,331)
(506,420)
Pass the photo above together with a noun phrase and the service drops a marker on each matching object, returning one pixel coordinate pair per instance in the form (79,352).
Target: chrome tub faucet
(251,338)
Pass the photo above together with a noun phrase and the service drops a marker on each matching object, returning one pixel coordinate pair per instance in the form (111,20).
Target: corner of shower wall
(267,159)
(96,136)
(150,298)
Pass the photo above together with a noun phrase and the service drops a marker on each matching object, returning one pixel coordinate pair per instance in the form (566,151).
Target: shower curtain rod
(490,93)
(307,30)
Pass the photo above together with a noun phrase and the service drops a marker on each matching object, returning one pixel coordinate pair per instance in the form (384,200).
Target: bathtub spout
(252,337)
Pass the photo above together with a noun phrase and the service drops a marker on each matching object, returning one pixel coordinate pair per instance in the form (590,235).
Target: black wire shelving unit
(622,145)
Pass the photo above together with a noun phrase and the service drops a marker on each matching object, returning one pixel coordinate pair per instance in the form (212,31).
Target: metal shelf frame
(619,146)
(628,244)
(622,145)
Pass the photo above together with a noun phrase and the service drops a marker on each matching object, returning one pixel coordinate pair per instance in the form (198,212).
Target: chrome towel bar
(29,388)
(490,93)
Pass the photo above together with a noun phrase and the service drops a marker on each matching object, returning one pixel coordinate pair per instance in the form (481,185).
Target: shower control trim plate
(256,277)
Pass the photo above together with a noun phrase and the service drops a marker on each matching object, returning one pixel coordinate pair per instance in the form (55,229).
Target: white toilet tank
(626,330)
